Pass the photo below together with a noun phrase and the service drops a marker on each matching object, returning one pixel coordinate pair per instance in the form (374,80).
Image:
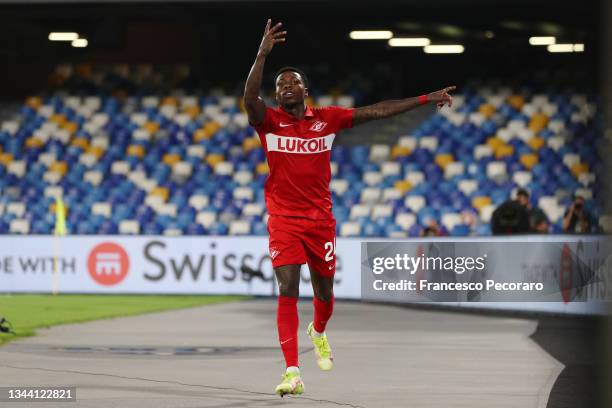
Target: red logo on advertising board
(565,274)
(108,264)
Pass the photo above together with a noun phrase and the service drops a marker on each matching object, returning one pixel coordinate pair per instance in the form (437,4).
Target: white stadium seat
(243,193)
(206,218)
(224,168)
(415,177)
(486,212)
(481,151)
(339,186)
(522,178)
(429,143)
(19,227)
(243,177)
(391,194)
(359,210)
(350,229)
(449,220)
(415,203)
(391,169)
(372,178)
(252,209)
(379,153)
(17,208)
(496,169)
(408,141)
(101,208)
(405,220)
(370,195)
(120,167)
(239,227)
(381,211)
(467,186)
(129,227)
(198,201)
(454,169)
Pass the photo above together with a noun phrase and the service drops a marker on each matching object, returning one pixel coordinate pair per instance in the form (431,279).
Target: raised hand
(271,36)
(442,97)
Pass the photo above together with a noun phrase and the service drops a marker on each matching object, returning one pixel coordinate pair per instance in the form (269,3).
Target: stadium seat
(350,229)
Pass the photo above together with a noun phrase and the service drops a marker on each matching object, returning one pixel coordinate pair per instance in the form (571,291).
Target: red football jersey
(298,153)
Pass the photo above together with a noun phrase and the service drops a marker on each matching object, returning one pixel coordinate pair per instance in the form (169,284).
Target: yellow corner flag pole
(60,231)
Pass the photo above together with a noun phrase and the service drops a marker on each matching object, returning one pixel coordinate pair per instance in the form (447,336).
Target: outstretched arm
(253,103)
(386,109)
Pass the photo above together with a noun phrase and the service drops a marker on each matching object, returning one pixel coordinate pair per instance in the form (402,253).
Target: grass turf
(29,312)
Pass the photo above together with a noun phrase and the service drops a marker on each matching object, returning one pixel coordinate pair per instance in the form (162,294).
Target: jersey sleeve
(342,118)
(267,123)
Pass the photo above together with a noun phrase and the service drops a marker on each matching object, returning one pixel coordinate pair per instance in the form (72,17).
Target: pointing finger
(267,26)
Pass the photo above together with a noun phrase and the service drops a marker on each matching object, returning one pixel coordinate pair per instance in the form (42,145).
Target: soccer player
(297,140)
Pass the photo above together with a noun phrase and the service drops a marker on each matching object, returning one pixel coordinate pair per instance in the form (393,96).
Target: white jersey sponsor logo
(287,144)
(318,126)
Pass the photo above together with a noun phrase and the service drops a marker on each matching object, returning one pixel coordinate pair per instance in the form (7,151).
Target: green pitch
(29,312)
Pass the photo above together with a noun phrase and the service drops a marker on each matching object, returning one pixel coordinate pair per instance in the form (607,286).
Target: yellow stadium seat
(516,101)
(34,102)
(33,143)
(52,208)
(200,135)
(171,159)
(160,192)
(59,119)
(487,109)
(529,160)
(6,158)
(480,202)
(210,128)
(70,127)
(400,151)
(443,159)
(403,185)
(59,167)
(262,168)
(96,151)
(495,142)
(135,150)
(536,142)
(503,151)
(169,100)
(538,122)
(213,159)
(579,168)
(192,111)
(251,143)
(151,127)
(81,142)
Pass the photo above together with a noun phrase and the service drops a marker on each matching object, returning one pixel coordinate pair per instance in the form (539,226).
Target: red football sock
(287,321)
(322,313)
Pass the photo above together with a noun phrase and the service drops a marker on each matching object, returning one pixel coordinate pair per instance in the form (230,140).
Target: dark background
(220,39)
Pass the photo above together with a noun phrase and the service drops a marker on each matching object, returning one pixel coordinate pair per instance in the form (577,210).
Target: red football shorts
(297,240)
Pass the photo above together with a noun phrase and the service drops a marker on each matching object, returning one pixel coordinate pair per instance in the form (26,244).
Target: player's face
(290,89)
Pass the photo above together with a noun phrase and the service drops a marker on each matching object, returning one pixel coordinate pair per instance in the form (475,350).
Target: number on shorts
(330,247)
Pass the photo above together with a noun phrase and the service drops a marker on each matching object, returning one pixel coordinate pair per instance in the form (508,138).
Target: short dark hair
(522,191)
(292,69)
